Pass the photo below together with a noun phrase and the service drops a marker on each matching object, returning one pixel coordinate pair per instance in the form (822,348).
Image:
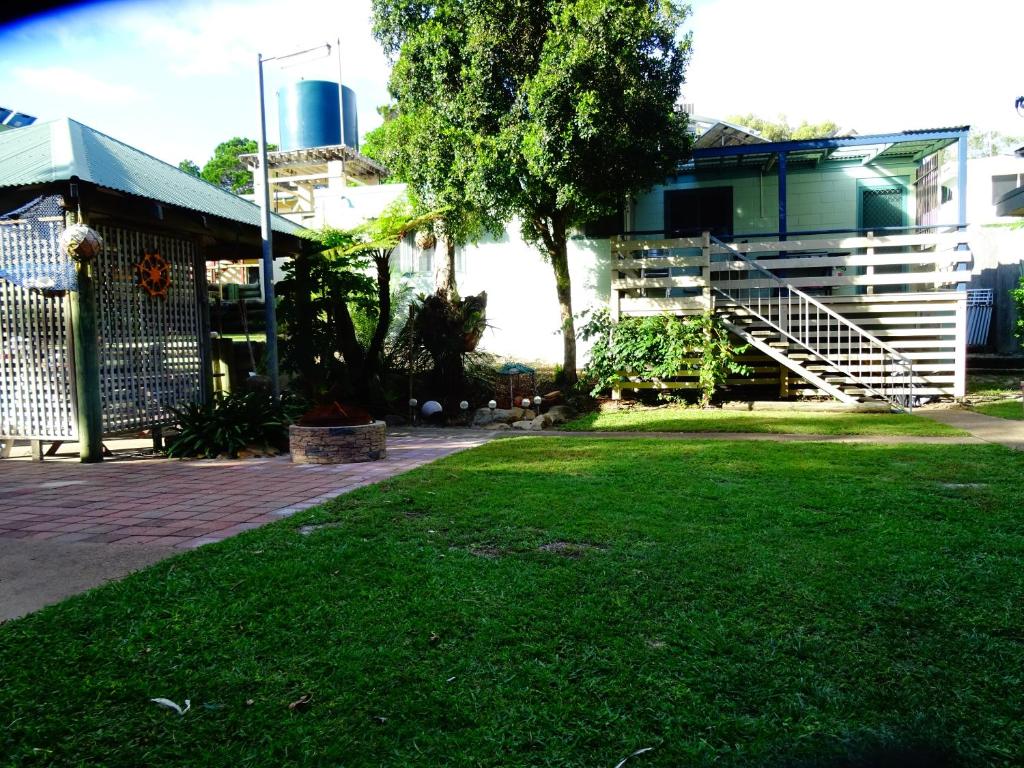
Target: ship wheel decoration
(154,274)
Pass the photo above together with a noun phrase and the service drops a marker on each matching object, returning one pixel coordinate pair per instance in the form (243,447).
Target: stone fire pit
(338,445)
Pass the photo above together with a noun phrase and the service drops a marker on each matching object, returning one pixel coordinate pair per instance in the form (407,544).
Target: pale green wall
(817,199)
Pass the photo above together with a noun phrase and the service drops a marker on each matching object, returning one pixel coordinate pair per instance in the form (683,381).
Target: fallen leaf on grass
(171,705)
(301,703)
(622,762)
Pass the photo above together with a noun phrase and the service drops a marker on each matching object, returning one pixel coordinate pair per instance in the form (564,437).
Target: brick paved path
(185,504)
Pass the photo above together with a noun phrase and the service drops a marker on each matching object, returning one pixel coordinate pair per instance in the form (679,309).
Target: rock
(516,413)
(529,415)
(482,417)
(541,422)
(736,405)
(496,425)
(559,414)
(524,425)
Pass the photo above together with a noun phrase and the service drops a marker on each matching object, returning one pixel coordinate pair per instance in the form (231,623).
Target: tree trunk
(446,277)
(558,252)
(376,349)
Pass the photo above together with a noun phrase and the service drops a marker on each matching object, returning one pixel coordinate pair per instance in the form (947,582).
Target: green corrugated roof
(59,149)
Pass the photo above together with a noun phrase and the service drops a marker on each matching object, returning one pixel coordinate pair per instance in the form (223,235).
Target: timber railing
(900,288)
(786,311)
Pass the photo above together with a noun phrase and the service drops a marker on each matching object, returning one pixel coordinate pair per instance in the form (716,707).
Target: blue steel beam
(774,147)
(782,195)
(961,181)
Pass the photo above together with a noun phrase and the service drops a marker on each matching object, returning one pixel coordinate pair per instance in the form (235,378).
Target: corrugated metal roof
(59,149)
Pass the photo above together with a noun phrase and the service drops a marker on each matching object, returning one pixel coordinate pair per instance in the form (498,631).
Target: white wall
(522,308)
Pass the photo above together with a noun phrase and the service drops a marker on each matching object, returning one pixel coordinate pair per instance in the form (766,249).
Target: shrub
(1017,294)
(232,422)
(660,347)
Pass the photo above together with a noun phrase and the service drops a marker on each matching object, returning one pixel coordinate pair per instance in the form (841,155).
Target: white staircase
(821,346)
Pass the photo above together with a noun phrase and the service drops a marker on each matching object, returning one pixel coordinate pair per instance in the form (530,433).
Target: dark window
(946,195)
(689,212)
(606,226)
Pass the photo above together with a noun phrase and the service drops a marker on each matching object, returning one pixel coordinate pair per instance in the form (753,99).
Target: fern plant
(229,423)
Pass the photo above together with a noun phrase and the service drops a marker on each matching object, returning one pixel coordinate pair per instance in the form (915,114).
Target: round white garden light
(492,404)
(526,402)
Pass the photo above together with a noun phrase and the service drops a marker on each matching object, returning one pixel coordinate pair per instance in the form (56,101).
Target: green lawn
(679,419)
(1004,409)
(564,602)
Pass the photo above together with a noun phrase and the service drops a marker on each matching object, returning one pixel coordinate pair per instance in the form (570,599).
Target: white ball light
(464,405)
(526,402)
(492,404)
(413,402)
(536,400)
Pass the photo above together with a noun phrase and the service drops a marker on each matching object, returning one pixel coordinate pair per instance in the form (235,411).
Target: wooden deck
(900,289)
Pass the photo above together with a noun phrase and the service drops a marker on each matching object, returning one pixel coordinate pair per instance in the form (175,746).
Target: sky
(176,78)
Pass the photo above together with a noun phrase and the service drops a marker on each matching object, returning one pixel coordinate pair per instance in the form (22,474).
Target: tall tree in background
(992,143)
(566,107)
(781,130)
(190,168)
(225,169)
(424,149)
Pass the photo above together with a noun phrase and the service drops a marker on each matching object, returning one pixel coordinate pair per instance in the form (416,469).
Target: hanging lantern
(81,243)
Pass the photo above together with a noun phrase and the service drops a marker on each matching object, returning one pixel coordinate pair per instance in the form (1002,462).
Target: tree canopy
(225,169)
(557,111)
(781,130)
(190,168)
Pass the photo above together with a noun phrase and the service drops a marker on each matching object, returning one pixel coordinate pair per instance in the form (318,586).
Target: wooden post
(87,365)
(705,270)
(205,342)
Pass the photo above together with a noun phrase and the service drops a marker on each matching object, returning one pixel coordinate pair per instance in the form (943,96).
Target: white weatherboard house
(816,252)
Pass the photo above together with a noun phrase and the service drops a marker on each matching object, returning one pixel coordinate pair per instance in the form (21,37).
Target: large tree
(567,107)
(423,148)
(225,169)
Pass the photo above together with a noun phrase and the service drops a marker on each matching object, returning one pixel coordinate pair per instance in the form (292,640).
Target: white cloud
(60,82)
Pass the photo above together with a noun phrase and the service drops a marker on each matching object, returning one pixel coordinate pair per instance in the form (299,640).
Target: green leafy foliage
(339,305)
(781,130)
(1017,294)
(190,168)
(232,422)
(225,170)
(660,347)
(552,113)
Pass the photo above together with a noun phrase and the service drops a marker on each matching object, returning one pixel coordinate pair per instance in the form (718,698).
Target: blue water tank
(309,115)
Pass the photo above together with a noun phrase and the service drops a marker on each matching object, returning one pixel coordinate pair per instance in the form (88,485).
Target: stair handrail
(897,357)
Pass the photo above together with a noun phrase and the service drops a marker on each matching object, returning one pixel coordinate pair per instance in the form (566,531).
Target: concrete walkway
(989,429)
(58,517)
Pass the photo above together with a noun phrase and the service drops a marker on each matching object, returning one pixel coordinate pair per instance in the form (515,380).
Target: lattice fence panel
(36,369)
(150,351)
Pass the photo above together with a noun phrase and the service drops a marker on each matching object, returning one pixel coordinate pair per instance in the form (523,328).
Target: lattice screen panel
(150,352)
(36,373)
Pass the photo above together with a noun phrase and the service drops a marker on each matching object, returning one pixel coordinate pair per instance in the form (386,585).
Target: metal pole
(266,232)
(341,97)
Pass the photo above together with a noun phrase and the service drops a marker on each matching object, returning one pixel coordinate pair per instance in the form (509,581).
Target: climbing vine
(660,347)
